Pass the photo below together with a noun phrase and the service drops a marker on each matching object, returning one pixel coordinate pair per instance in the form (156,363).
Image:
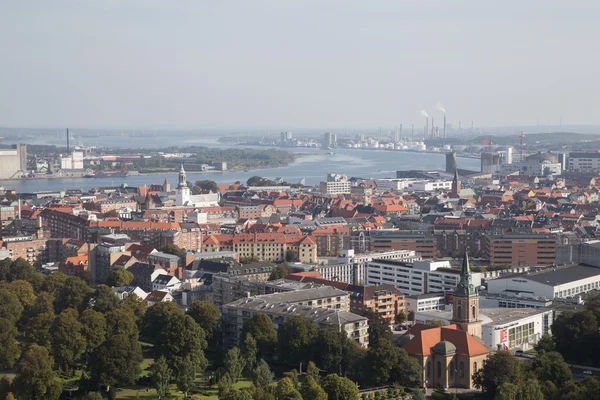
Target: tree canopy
(207,315)
(262,330)
(35,378)
(499,368)
(119,276)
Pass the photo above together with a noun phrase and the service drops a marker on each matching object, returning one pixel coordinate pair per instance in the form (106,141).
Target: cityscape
(203,224)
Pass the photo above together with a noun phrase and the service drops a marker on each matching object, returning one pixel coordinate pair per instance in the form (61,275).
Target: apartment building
(520,249)
(265,246)
(103,256)
(116,204)
(418,277)
(387,240)
(27,247)
(584,162)
(335,187)
(325,307)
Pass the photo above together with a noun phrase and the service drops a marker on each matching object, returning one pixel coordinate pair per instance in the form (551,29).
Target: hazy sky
(288,64)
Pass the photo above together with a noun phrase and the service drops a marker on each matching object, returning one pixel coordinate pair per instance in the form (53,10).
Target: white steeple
(183,195)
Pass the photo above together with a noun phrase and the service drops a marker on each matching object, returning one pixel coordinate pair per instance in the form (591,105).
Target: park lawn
(138,392)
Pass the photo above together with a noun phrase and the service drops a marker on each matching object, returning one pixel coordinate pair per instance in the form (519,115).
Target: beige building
(326,307)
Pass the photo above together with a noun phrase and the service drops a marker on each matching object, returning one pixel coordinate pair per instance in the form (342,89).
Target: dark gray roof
(560,276)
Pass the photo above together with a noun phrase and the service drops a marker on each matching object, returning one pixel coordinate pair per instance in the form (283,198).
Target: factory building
(13,161)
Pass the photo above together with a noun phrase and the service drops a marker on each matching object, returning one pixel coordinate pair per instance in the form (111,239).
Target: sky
(297,64)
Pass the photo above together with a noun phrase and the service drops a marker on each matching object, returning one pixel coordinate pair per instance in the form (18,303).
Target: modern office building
(520,249)
(418,277)
(584,162)
(423,243)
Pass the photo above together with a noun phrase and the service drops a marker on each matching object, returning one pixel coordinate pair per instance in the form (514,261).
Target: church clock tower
(465,307)
(183,195)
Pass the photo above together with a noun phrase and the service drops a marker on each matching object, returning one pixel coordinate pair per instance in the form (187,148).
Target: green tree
(135,305)
(312,390)
(119,276)
(531,390)
(207,315)
(67,340)
(93,396)
(35,378)
(93,329)
(234,364)
(379,328)
(407,370)
(297,339)
(10,306)
(499,368)
(400,317)
(262,329)
(206,185)
(339,388)
(418,395)
(279,272)
(545,344)
(173,249)
(285,390)
(72,294)
(115,362)
(262,376)
(9,346)
(380,361)
(249,351)
(182,338)
(573,335)
(161,376)
(156,317)
(54,283)
(121,322)
(236,394)
(20,269)
(224,385)
(103,299)
(5,269)
(329,347)
(313,371)
(186,373)
(551,367)
(37,320)
(23,290)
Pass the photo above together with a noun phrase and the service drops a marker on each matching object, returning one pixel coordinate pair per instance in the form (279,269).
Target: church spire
(182,178)
(465,287)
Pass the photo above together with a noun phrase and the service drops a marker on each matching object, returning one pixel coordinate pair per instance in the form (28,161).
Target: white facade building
(335,187)
(584,161)
(425,302)
(429,186)
(561,282)
(417,278)
(350,268)
(504,328)
(73,161)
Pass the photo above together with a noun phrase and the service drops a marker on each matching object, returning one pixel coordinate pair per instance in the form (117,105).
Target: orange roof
(77,260)
(425,337)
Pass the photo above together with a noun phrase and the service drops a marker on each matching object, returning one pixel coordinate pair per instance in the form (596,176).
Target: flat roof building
(562,282)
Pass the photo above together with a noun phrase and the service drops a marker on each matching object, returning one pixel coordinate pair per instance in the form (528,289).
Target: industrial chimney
(67,141)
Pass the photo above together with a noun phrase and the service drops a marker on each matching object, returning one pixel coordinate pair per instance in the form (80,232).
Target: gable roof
(426,337)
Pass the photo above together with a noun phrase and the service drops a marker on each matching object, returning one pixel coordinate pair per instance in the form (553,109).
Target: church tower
(465,307)
(183,191)
(455,185)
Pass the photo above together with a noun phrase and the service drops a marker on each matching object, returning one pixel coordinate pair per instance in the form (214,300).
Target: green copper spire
(465,287)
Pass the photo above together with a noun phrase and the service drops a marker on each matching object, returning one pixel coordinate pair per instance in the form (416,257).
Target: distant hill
(554,137)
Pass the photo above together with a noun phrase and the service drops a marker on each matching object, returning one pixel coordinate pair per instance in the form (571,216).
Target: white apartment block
(425,302)
(418,277)
(429,186)
(341,187)
(584,161)
(350,268)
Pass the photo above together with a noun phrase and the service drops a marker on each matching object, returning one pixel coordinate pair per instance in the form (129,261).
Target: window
(428,369)
(474,367)
(462,369)
(439,369)
(452,370)
(459,312)
(473,312)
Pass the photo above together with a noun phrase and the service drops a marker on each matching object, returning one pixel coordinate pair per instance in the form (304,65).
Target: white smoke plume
(440,107)
(424,113)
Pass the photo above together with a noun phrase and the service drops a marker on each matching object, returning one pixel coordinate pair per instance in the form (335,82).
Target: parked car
(588,372)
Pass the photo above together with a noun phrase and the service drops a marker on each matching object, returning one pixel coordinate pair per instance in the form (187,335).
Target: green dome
(404,339)
(445,348)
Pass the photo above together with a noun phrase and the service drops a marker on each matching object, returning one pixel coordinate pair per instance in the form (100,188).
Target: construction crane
(521,137)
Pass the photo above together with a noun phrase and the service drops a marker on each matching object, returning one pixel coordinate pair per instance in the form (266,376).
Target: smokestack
(413,132)
(426,128)
(432,128)
(67,141)
(444,126)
